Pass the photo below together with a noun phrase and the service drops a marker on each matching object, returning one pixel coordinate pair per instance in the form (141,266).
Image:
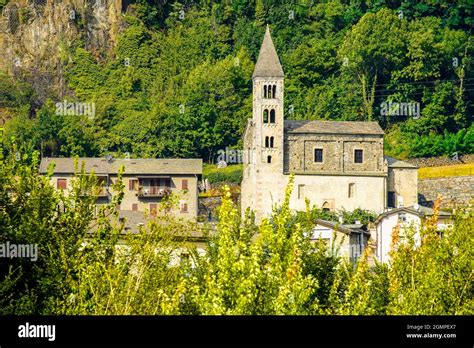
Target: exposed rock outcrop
(35,36)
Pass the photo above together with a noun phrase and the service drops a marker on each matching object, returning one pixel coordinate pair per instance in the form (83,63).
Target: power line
(395,88)
(422,82)
(415,93)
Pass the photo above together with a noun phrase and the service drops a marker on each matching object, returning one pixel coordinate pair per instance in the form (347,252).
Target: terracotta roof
(133,166)
(268,63)
(333,127)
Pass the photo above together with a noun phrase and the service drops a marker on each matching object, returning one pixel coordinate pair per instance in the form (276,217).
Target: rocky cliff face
(35,35)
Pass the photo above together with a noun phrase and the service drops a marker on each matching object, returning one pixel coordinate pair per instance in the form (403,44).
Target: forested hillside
(173,78)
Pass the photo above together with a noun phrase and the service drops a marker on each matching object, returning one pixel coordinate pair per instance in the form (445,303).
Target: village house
(147,182)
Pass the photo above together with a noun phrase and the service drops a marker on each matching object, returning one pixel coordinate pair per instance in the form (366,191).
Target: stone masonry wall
(455,190)
(338,153)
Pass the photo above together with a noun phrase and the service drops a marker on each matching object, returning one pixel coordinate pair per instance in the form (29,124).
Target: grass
(446,171)
(229,174)
(212,168)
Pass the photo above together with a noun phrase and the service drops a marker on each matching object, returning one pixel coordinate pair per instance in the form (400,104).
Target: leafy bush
(3,3)
(230,174)
(364,216)
(270,268)
(446,144)
(432,273)
(312,214)
(402,145)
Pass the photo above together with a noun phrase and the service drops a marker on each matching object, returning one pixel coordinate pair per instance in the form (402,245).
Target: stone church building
(337,165)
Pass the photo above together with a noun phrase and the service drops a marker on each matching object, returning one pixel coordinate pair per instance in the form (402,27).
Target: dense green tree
(342,60)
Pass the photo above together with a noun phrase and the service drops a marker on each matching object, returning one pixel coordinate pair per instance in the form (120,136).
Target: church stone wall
(331,155)
(366,192)
(248,175)
(372,155)
(338,153)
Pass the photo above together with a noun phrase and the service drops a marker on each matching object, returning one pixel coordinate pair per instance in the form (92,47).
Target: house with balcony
(147,182)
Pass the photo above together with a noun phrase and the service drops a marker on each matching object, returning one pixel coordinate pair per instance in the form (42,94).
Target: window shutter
(133,184)
(61,184)
(153,209)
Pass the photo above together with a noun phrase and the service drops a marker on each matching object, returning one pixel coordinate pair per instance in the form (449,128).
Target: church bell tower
(268,107)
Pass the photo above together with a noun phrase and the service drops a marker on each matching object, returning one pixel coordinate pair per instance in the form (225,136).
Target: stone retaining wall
(455,190)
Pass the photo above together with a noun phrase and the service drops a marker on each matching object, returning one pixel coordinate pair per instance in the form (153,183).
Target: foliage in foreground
(271,268)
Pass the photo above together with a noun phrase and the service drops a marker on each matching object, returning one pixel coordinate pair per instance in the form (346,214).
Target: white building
(406,218)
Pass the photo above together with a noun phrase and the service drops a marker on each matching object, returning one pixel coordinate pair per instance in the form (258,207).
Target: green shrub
(254,269)
(230,174)
(403,144)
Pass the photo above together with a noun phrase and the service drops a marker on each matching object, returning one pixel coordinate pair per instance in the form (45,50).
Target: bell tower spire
(268,64)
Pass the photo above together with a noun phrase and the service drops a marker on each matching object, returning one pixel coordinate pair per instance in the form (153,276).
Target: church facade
(337,164)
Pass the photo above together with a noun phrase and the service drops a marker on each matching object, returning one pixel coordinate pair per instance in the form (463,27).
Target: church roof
(333,127)
(268,64)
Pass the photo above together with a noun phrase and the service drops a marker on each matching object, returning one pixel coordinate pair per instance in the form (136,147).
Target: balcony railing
(154,191)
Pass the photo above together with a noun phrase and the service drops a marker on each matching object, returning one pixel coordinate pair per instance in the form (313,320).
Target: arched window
(326,206)
(274,91)
(267,142)
(271,141)
(270,92)
(272,116)
(265,116)
(264,91)
(269,159)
